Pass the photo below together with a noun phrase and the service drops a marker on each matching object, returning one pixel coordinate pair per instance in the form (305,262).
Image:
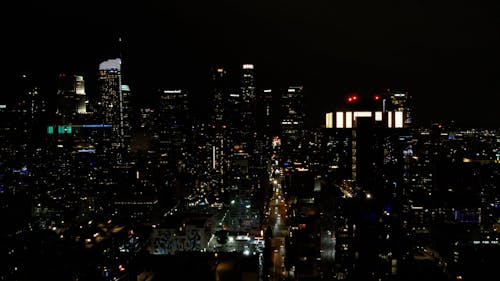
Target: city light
(222,175)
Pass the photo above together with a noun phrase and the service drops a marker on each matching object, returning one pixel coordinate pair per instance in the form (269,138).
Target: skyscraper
(292,117)
(367,120)
(219,88)
(173,125)
(370,134)
(114,103)
(400,101)
(219,137)
(71,97)
(266,113)
(126,117)
(248,107)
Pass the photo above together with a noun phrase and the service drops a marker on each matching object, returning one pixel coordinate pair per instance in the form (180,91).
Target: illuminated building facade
(125,116)
(248,107)
(220,137)
(173,123)
(219,89)
(367,135)
(71,97)
(292,113)
(366,117)
(114,105)
(173,143)
(268,113)
(399,101)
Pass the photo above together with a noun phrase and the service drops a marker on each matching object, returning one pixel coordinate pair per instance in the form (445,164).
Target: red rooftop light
(352,98)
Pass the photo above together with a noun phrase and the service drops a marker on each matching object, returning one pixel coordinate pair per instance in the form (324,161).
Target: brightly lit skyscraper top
(111,64)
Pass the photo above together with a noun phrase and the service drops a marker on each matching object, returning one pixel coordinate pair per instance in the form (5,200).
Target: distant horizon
(197,89)
(445,55)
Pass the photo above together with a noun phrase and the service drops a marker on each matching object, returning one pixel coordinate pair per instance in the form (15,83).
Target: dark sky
(444,53)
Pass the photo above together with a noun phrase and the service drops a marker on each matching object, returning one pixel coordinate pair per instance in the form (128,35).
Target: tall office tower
(292,112)
(399,101)
(220,135)
(126,114)
(173,134)
(265,113)
(219,88)
(264,126)
(71,98)
(114,103)
(232,117)
(292,118)
(248,107)
(268,116)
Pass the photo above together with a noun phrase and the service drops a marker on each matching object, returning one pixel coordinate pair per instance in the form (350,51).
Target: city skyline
(249,141)
(439,54)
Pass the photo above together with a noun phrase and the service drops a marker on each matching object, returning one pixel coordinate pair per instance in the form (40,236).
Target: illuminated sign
(64,130)
(248,66)
(68,129)
(86,150)
(97,126)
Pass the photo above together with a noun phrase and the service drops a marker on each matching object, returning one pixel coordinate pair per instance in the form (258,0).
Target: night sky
(445,54)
